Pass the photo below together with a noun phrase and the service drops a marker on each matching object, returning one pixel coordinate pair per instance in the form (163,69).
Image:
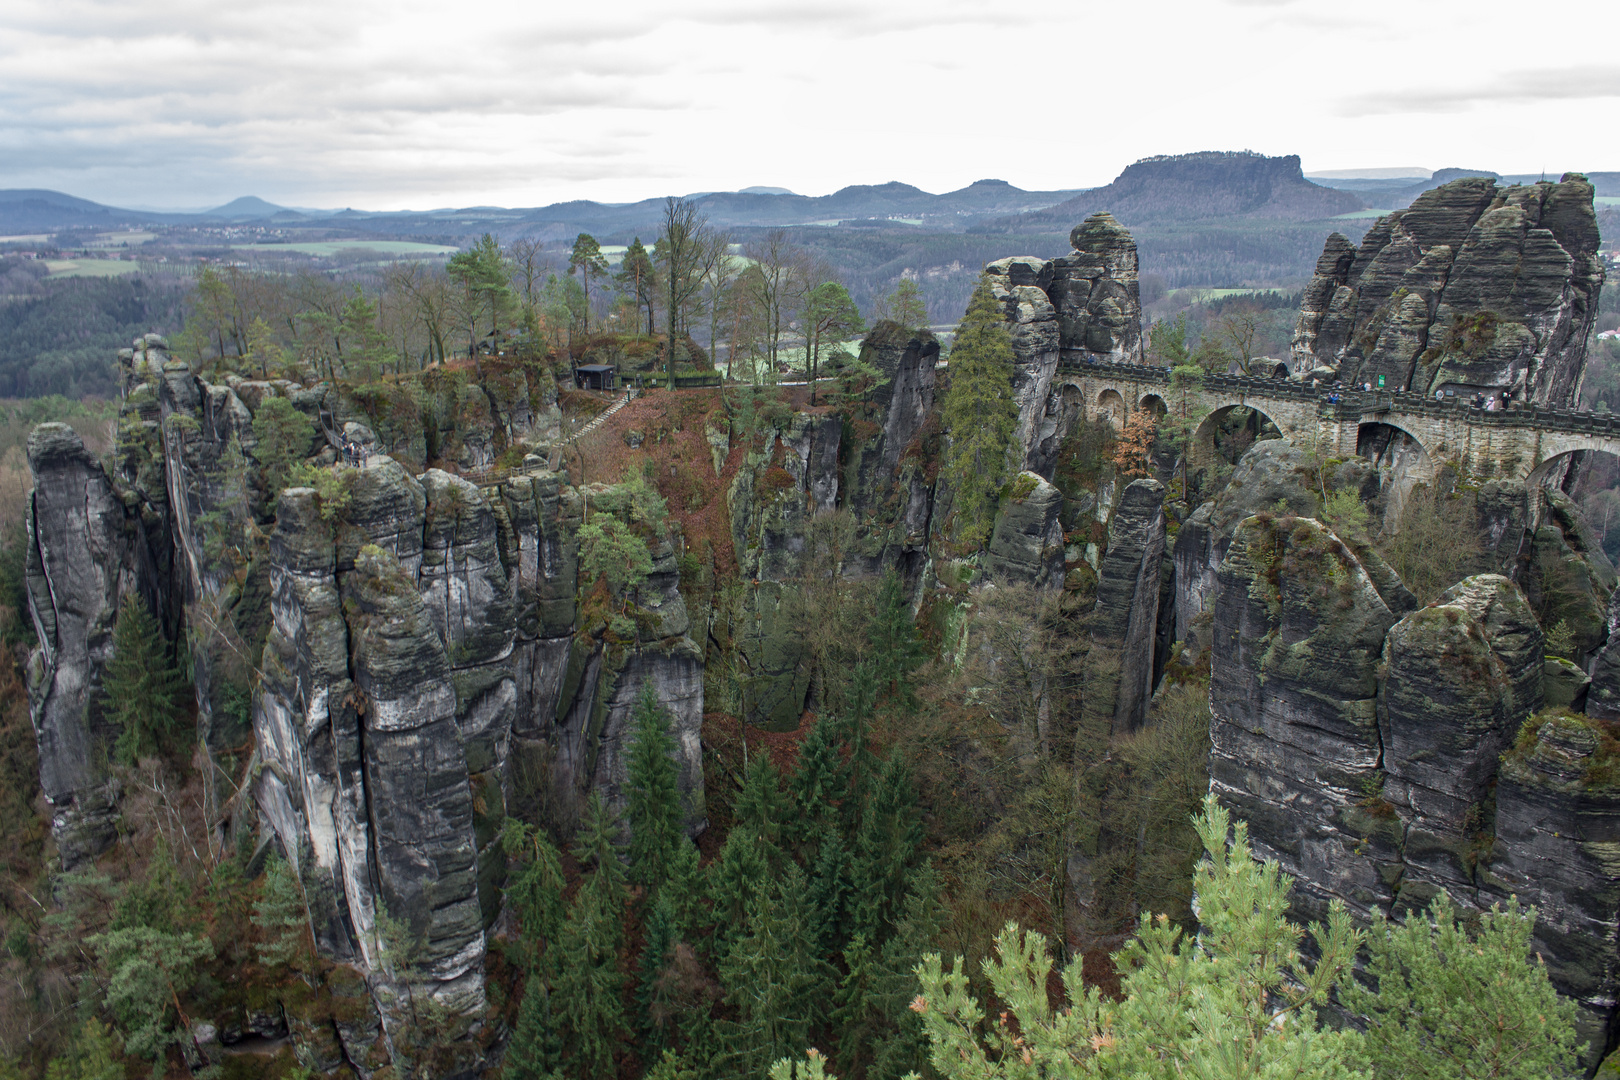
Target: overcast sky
(390,104)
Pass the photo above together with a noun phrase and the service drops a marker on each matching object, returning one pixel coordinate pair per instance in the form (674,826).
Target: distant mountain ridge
(1398,194)
(22,211)
(1189,187)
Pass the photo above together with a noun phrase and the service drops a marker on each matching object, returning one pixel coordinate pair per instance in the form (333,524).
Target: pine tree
(653,794)
(141,690)
(905,305)
(1236,1000)
(1451,1005)
(586,260)
(980,414)
(282,435)
(638,278)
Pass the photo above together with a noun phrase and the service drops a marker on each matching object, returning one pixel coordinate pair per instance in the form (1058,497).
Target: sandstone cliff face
(1298,631)
(1474,286)
(1460,677)
(1384,760)
(887,483)
(1034,327)
(421,668)
(81,562)
(1125,618)
(1027,544)
(1556,826)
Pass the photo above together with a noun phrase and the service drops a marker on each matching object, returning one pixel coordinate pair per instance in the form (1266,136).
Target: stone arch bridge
(1525,442)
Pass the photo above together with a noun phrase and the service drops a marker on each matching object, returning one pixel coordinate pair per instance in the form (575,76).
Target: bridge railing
(1360,403)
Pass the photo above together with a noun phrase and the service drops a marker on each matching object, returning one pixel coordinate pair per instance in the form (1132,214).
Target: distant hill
(1192,187)
(1390,194)
(30,210)
(249,208)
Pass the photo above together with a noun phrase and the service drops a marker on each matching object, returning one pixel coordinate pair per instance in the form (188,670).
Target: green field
(334,247)
(61,268)
(1607,200)
(31,238)
(1356,215)
(119,239)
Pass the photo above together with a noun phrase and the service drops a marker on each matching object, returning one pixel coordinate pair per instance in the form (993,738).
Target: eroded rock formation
(1473,287)
(422,667)
(80,565)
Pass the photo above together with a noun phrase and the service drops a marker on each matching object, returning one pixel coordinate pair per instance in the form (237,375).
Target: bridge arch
(1204,447)
(1154,404)
(1393,447)
(1550,470)
(1111,407)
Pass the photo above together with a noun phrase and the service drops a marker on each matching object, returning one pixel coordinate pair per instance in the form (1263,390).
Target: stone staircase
(596,422)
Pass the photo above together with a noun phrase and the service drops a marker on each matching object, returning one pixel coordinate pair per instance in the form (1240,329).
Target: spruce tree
(760,805)
(280,914)
(534,889)
(880,1036)
(653,793)
(686,889)
(595,846)
(886,848)
(736,878)
(980,414)
(819,781)
(92,1054)
(588,986)
(775,983)
(658,939)
(860,704)
(532,1052)
(829,897)
(896,649)
(141,690)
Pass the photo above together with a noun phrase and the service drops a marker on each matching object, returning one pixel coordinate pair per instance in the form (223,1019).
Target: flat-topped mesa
(1474,287)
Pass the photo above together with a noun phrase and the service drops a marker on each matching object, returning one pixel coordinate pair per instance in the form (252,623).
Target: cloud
(1586,82)
(394,103)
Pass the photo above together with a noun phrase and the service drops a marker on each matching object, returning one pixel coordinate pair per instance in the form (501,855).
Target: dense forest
(56,336)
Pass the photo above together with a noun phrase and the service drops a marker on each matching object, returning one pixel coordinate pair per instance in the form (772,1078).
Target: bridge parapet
(1513,440)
